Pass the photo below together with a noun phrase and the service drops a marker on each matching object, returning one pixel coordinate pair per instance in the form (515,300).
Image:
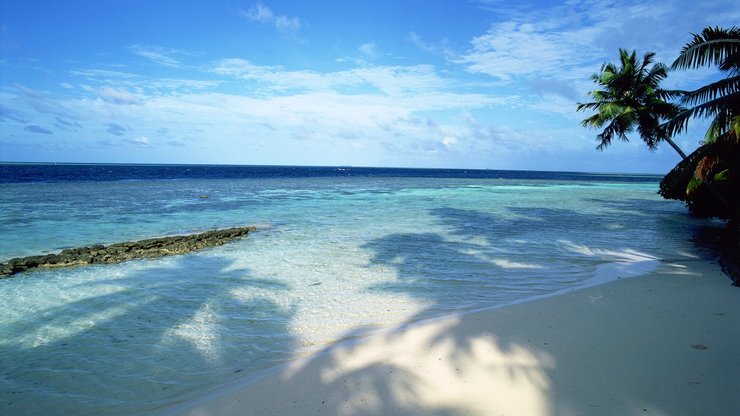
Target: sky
(486,84)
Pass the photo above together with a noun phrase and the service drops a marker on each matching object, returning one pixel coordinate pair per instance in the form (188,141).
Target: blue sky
(458,84)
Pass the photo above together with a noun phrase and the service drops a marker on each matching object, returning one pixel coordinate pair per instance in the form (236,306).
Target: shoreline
(659,343)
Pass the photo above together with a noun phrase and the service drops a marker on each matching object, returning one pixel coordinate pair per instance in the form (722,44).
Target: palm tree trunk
(675,147)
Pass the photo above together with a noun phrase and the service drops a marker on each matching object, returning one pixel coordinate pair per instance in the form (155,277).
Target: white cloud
(547,55)
(159,55)
(119,79)
(260,13)
(440,48)
(390,80)
(287,24)
(103,74)
(510,50)
(369,49)
(118,96)
(141,141)
(569,41)
(449,141)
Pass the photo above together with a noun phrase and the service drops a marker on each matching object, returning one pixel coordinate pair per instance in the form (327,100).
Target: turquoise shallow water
(333,257)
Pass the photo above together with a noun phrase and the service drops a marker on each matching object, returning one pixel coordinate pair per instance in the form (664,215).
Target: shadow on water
(453,367)
(173,320)
(142,339)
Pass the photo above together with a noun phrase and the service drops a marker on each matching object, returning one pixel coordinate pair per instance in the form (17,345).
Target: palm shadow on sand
(454,366)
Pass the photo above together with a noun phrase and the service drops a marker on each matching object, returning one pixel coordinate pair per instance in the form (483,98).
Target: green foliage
(713,46)
(630,99)
(693,186)
(722,176)
(719,100)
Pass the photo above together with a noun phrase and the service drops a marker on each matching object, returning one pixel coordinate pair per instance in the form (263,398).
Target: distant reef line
(130,250)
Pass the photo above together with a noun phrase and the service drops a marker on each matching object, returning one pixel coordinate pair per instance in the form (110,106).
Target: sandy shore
(663,344)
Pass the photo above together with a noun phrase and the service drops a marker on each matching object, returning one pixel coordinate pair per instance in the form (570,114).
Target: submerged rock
(120,252)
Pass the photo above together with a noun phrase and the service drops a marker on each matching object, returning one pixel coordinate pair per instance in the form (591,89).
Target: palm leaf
(723,87)
(711,47)
(719,107)
(666,95)
(693,186)
(722,176)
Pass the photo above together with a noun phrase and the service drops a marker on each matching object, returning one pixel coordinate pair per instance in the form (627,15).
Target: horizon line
(317,166)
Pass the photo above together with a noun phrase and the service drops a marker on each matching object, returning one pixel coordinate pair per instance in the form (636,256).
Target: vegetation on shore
(630,98)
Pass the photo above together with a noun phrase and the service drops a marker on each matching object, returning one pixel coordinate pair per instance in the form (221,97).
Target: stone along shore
(119,252)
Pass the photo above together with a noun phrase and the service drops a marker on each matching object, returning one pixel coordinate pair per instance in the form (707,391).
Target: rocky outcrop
(119,252)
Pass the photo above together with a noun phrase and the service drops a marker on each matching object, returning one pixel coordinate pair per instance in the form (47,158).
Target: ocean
(339,252)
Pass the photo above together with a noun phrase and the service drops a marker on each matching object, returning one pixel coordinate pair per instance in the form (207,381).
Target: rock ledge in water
(119,252)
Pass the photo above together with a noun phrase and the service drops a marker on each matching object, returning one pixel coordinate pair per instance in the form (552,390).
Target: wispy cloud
(260,13)
(42,102)
(120,79)
(37,129)
(7,114)
(569,41)
(442,47)
(66,124)
(513,50)
(389,80)
(116,129)
(118,96)
(141,141)
(104,74)
(157,54)
(369,49)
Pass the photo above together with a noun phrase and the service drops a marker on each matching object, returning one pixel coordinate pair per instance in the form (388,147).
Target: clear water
(333,258)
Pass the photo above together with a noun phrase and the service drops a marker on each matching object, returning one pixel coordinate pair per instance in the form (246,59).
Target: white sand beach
(661,344)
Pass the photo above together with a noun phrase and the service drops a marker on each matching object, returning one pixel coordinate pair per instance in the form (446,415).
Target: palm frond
(657,73)
(619,127)
(711,47)
(648,128)
(713,108)
(731,64)
(712,133)
(587,106)
(665,110)
(611,110)
(666,95)
(594,121)
(719,108)
(723,87)
(678,123)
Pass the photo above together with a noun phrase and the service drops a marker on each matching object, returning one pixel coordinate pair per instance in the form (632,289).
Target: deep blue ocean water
(33,172)
(338,251)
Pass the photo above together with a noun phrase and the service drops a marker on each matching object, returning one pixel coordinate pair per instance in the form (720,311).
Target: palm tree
(631,98)
(711,172)
(719,100)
